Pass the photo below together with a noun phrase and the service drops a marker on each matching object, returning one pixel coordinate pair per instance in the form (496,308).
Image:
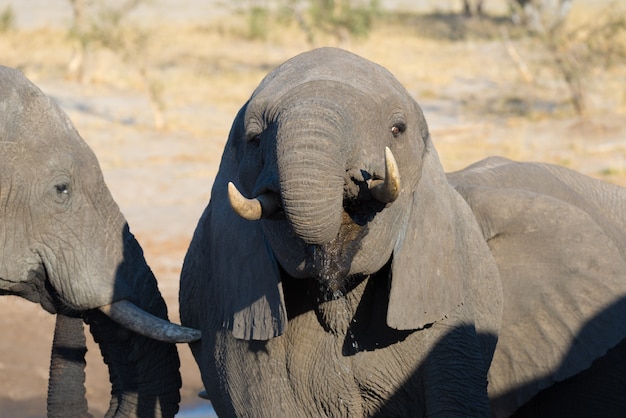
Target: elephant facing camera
(378,285)
(375,257)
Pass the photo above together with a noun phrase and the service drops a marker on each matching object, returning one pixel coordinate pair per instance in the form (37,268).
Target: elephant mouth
(372,196)
(359,205)
(332,261)
(38,289)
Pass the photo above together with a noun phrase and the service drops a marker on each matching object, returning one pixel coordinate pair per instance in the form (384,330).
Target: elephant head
(66,246)
(331,165)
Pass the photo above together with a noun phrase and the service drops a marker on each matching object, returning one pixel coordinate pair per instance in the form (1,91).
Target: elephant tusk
(252,209)
(387,190)
(130,316)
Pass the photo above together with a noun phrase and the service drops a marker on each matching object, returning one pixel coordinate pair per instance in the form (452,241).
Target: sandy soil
(472,95)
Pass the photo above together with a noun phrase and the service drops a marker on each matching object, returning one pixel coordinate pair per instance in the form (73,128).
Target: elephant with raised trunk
(347,278)
(337,271)
(67,246)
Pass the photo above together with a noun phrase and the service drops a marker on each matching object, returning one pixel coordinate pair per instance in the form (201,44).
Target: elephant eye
(61,193)
(62,189)
(397,129)
(256,139)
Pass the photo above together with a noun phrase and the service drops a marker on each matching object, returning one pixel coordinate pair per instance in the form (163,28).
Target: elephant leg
(144,373)
(66,386)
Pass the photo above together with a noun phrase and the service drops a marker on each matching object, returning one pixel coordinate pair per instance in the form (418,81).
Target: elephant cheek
(288,249)
(376,247)
(373,257)
(86,280)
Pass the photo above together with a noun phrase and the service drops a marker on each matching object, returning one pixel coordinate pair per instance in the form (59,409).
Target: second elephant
(559,239)
(67,246)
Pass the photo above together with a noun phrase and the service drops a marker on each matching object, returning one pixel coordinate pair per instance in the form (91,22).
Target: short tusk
(130,316)
(252,209)
(387,190)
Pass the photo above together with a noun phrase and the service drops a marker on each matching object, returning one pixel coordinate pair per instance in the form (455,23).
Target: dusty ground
(473,96)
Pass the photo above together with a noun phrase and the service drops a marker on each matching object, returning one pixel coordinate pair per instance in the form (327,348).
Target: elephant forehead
(331,64)
(315,98)
(32,119)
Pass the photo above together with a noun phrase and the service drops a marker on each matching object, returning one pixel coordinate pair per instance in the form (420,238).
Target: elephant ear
(440,248)
(230,258)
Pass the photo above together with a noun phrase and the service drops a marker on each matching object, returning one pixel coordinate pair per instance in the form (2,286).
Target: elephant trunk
(66,386)
(312,171)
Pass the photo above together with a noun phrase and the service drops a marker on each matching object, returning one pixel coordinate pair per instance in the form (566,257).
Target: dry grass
(473,95)
(482,104)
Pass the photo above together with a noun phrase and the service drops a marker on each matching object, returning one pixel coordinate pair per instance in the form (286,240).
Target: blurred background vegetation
(543,38)
(153,87)
(572,48)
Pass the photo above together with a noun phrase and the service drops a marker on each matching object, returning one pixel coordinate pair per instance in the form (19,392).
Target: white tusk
(387,190)
(249,209)
(130,316)
(252,209)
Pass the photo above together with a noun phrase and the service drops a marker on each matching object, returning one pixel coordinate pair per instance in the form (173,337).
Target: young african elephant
(337,271)
(364,285)
(66,246)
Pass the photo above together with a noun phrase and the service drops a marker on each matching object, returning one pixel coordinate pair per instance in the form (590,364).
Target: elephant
(338,271)
(335,272)
(559,239)
(67,247)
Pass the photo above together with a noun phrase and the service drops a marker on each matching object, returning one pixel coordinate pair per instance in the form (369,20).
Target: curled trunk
(312,176)
(384,190)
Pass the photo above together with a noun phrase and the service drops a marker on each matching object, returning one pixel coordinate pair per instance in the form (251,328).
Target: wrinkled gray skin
(342,306)
(559,239)
(66,246)
(339,305)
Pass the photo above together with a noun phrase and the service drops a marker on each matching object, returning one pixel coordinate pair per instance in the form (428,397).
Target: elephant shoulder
(470,172)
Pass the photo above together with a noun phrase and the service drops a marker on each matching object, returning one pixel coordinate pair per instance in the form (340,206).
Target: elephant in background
(67,246)
(559,239)
(355,264)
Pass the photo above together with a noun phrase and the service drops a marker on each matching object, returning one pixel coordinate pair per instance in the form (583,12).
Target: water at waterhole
(202,409)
